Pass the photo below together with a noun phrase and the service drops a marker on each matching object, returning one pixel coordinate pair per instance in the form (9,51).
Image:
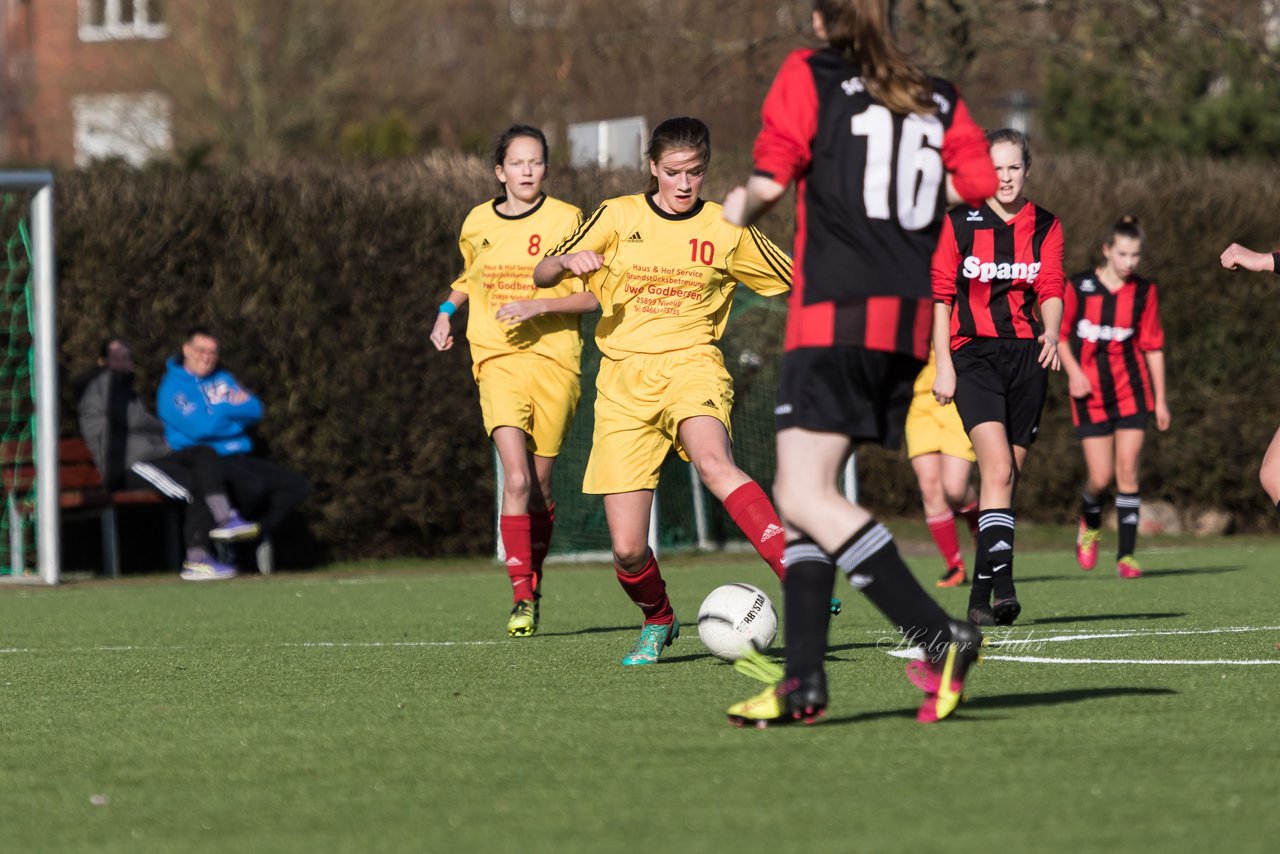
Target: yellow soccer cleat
(524,619)
(784,701)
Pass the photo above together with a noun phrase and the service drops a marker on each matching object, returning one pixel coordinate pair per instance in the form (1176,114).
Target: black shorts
(1000,379)
(1137,421)
(860,393)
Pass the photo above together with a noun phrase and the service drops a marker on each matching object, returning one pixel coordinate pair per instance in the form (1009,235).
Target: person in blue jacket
(202,404)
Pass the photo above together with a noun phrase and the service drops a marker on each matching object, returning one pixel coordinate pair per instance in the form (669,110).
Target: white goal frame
(45,343)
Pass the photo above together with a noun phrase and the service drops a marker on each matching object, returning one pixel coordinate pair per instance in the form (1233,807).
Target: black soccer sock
(995,556)
(871,562)
(811,575)
(1091,510)
(1128,512)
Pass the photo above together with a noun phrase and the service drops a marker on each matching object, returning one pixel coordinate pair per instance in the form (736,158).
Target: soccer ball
(734,618)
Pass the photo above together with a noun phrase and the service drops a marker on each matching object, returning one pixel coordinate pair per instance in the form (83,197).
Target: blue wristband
(448,308)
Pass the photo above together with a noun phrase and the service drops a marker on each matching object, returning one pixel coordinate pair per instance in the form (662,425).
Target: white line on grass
(376,644)
(298,645)
(1131,634)
(917,653)
(1033,659)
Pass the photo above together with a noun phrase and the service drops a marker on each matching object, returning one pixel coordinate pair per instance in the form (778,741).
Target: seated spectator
(202,405)
(130,452)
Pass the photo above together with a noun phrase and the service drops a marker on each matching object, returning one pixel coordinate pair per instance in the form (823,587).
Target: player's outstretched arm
(441,331)
(517,312)
(1240,257)
(553,268)
(744,205)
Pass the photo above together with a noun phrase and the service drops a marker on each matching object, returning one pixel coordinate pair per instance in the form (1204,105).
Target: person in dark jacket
(128,446)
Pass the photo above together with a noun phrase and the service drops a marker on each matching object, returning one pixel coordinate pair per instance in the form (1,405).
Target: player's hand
(1049,352)
(1078,385)
(518,312)
(1162,417)
(944,385)
(735,206)
(237,396)
(582,263)
(1238,256)
(440,336)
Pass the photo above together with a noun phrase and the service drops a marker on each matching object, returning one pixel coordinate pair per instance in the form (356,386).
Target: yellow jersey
(499,253)
(668,279)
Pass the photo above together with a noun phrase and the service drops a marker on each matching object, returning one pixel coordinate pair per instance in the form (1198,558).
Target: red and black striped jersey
(1108,331)
(992,273)
(870,197)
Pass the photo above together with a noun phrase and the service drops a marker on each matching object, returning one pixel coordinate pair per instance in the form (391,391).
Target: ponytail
(859,30)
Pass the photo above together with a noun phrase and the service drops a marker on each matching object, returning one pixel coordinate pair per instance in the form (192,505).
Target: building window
(132,128)
(107,20)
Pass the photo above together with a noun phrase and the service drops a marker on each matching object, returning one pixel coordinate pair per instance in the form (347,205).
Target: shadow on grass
(595,630)
(1010,701)
(1056,698)
(1097,618)
(1157,574)
(1079,575)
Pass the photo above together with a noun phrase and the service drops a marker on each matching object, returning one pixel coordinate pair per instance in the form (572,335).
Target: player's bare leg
(1269,475)
(637,570)
(1099,462)
(1128,501)
(998,465)
(519,483)
(942,490)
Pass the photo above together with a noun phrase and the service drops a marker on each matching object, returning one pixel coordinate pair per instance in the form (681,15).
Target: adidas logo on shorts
(711,404)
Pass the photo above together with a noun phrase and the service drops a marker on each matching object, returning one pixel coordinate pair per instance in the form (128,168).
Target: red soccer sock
(969,513)
(943,528)
(647,589)
(515,542)
(541,523)
(752,511)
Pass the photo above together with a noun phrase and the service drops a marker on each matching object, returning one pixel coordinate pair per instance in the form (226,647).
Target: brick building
(81,80)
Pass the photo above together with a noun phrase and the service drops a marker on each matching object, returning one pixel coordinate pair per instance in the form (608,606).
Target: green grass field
(381,708)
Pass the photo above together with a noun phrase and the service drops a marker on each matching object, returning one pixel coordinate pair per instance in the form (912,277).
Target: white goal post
(45,344)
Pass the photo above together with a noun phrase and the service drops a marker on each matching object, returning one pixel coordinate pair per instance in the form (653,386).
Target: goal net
(28,379)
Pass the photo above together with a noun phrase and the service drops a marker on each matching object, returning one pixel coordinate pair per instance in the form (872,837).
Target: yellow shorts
(640,402)
(936,429)
(531,393)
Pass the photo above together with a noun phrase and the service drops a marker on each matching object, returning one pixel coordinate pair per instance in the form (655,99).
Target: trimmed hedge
(323,282)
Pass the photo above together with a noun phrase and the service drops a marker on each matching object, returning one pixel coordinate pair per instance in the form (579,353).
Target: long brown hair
(681,133)
(859,29)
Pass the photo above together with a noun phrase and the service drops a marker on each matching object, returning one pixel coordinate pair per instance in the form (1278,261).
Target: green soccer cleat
(836,607)
(653,638)
(524,619)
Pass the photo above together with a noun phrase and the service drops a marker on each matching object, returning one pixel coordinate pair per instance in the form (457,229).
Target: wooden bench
(81,494)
